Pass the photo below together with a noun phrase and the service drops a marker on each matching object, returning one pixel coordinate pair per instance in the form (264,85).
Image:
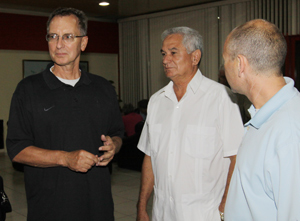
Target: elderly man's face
(176,61)
(63,53)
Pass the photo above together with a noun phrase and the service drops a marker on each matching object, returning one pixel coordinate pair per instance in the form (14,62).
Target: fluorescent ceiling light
(104,3)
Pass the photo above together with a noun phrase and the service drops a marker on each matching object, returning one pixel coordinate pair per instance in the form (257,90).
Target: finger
(108,141)
(103,138)
(89,158)
(106,156)
(86,165)
(86,161)
(104,162)
(91,162)
(106,148)
(108,145)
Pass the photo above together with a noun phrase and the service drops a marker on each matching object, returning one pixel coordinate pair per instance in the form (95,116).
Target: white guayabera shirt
(189,143)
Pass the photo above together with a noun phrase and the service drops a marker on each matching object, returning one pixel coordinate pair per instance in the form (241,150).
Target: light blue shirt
(265,185)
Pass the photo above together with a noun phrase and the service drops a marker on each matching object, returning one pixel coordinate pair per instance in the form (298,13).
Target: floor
(125,189)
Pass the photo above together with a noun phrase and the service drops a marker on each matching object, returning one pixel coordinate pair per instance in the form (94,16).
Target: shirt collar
(53,83)
(196,81)
(267,110)
(194,85)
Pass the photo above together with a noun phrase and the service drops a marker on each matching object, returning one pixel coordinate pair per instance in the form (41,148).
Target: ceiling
(116,10)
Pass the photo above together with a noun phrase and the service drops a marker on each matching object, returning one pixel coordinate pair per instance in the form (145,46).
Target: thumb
(103,138)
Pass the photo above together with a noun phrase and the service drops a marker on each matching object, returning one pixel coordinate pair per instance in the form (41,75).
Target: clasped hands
(82,161)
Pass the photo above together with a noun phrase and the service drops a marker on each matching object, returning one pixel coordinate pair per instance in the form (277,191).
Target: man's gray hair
(261,43)
(82,19)
(192,40)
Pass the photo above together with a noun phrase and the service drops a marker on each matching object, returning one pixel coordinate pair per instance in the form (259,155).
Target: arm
(79,161)
(230,172)
(110,147)
(147,183)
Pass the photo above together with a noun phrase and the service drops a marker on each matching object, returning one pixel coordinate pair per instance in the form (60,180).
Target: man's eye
(173,52)
(68,36)
(53,36)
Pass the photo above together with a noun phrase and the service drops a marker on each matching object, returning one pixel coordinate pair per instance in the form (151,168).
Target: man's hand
(109,150)
(80,160)
(222,207)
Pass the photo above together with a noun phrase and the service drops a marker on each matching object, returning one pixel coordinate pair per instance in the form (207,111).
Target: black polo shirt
(52,115)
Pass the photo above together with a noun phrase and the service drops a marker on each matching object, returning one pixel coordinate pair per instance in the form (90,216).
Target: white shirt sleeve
(232,129)
(144,144)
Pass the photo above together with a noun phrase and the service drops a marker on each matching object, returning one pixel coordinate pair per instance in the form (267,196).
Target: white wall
(11,72)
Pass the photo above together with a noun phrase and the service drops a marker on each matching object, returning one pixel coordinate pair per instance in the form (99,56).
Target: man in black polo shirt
(65,126)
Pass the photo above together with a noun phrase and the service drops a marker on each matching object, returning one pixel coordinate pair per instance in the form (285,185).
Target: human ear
(84,42)
(196,56)
(241,64)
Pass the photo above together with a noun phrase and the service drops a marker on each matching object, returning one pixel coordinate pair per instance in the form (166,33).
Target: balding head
(261,43)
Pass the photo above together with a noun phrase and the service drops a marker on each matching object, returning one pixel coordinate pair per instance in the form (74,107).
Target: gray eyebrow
(170,49)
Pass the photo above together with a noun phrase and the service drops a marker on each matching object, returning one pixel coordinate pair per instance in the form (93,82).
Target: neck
(66,72)
(180,84)
(264,88)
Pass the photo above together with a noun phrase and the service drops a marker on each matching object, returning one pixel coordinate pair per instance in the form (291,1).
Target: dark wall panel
(26,32)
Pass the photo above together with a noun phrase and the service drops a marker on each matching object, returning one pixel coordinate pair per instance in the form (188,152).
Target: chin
(169,73)
(60,62)
(236,91)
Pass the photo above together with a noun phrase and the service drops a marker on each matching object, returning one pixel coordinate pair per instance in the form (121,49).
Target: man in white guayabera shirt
(190,138)
(266,179)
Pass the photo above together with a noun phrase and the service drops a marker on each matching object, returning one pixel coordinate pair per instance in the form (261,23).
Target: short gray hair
(192,40)
(260,42)
(82,19)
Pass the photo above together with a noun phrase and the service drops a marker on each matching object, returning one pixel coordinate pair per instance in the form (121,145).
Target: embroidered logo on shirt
(47,109)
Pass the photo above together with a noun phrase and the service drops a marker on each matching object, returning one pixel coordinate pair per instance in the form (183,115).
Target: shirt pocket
(200,142)
(155,133)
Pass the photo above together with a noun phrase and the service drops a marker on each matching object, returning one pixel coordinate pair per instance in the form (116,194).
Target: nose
(60,42)
(166,59)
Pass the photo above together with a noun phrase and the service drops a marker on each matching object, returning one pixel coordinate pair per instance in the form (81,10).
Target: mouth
(60,54)
(168,68)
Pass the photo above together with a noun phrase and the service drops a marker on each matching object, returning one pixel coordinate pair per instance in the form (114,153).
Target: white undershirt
(66,81)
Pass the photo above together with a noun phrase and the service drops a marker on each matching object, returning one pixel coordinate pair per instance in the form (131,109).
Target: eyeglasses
(67,38)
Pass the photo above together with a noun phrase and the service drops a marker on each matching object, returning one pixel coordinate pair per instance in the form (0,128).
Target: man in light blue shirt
(266,181)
